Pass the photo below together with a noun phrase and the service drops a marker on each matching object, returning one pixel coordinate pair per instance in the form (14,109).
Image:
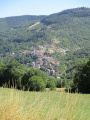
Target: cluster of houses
(48,64)
(44,62)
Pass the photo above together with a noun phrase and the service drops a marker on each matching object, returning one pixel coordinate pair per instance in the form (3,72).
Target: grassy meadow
(49,105)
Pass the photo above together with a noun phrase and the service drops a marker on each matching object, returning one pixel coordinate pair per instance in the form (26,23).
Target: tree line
(16,75)
(13,74)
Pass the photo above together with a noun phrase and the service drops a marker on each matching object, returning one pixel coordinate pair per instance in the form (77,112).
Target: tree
(1,73)
(82,78)
(11,74)
(36,83)
(52,83)
(33,72)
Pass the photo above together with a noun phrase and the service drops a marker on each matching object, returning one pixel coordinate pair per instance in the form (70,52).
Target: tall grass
(19,105)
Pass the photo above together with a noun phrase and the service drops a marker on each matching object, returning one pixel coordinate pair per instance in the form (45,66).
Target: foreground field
(19,105)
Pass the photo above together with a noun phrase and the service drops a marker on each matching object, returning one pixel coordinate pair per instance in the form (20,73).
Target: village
(44,61)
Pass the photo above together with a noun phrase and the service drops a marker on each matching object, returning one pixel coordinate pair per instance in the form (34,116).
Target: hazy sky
(38,7)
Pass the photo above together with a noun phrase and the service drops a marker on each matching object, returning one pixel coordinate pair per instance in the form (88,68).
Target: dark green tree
(11,74)
(52,82)
(52,85)
(82,78)
(33,72)
(36,83)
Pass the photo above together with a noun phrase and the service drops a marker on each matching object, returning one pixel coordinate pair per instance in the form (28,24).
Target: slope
(67,30)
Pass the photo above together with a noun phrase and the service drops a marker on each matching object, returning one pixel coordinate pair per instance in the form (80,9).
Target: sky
(38,7)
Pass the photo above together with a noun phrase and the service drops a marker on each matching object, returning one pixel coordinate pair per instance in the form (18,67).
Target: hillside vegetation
(70,28)
(63,36)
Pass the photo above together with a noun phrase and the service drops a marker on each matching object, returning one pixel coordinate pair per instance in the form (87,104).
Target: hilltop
(68,28)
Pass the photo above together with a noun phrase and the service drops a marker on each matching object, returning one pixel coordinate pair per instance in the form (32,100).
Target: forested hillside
(63,37)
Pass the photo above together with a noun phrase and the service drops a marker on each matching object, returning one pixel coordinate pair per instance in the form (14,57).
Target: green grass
(51,105)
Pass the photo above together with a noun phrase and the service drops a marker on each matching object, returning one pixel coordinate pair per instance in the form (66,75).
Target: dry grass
(37,23)
(19,105)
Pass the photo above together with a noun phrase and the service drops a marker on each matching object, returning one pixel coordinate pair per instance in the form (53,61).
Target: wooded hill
(68,29)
